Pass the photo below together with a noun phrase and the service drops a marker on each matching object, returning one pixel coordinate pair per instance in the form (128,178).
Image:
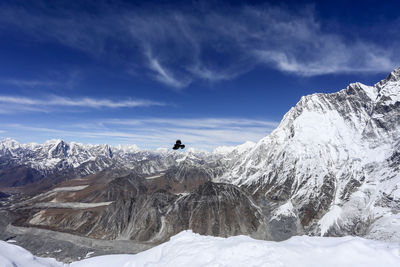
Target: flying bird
(178,145)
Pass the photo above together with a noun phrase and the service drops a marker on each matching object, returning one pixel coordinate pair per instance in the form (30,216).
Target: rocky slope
(139,208)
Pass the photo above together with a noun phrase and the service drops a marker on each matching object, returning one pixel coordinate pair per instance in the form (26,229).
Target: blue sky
(211,74)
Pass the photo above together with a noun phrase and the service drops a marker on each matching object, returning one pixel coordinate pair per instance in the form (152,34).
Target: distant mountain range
(332,168)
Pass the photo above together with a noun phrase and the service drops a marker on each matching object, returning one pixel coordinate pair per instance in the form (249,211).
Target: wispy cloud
(202,133)
(13,104)
(198,123)
(100,103)
(164,76)
(211,44)
(49,80)
(29,83)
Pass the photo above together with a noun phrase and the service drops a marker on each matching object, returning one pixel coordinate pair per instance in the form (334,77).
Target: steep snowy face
(320,130)
(329,152)
(234,150)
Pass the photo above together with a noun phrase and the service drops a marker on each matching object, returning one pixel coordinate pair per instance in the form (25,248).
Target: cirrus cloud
(16,104)
(177,47)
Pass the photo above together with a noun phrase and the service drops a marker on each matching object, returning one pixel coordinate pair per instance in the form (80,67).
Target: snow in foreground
(189,249)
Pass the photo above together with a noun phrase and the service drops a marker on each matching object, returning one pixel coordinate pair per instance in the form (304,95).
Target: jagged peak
(9,142)
(394,76)
(54,142)
(8,139)
(371,91)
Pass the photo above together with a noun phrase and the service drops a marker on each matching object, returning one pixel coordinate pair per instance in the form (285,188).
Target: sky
(210,73)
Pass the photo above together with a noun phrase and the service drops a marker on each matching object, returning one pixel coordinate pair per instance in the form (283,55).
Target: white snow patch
(71,205)
(155,176)
(224,150)
(181,159)
(371,91)
(182,194)
(69,188)
(12,255)
(286,210)
(189,249)
(89,254)
(329,218)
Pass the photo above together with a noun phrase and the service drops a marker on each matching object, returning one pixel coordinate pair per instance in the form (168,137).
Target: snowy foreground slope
(189,249)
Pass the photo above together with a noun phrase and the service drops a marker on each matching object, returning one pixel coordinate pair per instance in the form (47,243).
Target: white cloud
(193,123)
(210,44)
(50,80)
(12,104)
(19,100)
(163,76)
(100,103)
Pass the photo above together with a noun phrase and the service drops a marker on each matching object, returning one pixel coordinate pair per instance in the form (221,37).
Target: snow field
(189,249)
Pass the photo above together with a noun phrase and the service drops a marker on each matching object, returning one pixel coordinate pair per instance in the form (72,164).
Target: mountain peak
(9,142)
(53,142)
(393,77)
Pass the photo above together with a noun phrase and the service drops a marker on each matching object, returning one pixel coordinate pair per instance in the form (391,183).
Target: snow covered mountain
(332,165)
(331,168)
(78,160)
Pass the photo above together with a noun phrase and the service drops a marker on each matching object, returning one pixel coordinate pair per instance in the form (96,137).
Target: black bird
(178,145)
